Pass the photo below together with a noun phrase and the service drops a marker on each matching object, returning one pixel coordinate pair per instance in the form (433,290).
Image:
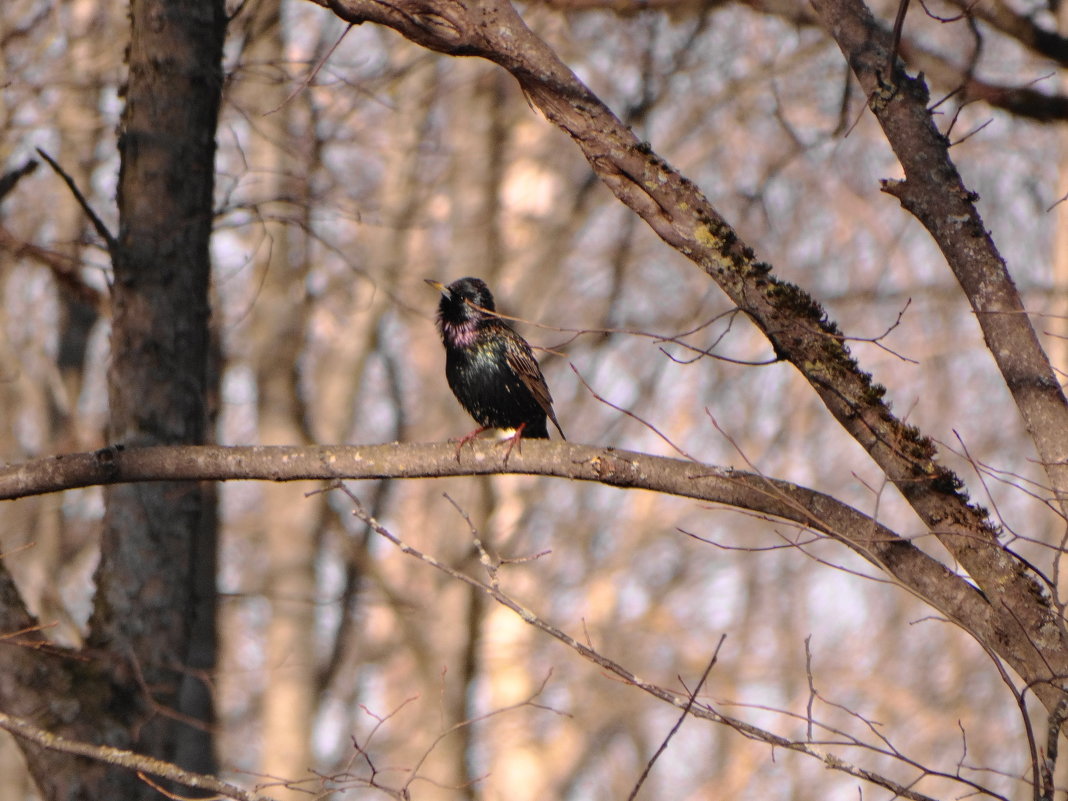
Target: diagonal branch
(65,270)
(686,703)
(934,192)
(678,724)
(9,179)
(139,763)
(94,218)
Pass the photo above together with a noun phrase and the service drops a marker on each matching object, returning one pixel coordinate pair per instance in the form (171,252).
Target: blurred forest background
(350,167)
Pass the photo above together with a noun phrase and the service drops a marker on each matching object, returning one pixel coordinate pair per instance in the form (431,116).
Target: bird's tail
(555,423)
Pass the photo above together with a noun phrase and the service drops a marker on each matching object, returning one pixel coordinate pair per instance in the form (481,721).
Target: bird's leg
(465,439)
(515,439)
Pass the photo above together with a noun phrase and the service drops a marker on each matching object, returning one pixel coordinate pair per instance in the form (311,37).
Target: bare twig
(877,341)
(304,84)
(1021,703)
(631,415)
(98,224)
(125,759)
(678,724)
(899,26)
(491,564)
(812,693)
(10,178)
(528,702)
(1049,764)
(971,133)
(705,712)
(174,796)
(954,18)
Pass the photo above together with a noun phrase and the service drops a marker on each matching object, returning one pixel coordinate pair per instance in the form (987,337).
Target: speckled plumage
(490,368)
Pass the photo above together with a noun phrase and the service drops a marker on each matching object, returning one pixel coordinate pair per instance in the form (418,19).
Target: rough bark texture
(935,194)
(154,608)
(911,567)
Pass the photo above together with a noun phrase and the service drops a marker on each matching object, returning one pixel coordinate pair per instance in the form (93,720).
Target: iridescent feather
(490,368)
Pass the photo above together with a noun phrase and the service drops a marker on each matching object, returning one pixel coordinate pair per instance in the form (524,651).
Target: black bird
(490,368)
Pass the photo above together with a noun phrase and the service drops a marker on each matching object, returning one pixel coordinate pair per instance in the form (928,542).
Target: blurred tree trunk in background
(81,130)
(276,191)
(1059,324)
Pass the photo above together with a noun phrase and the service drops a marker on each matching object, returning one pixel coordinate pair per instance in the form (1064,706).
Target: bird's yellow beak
(440,287)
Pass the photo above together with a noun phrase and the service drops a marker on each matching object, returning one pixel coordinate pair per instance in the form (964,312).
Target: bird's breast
(462,336)
(488,388)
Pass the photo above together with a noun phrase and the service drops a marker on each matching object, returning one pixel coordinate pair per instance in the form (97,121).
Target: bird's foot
(465,439)
(513,441)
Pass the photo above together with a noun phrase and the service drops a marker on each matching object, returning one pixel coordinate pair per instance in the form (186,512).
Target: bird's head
(463,301)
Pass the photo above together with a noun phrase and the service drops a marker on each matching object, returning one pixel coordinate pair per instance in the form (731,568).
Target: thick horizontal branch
(908,565)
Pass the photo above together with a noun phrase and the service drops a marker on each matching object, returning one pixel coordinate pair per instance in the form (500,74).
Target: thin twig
(174,796)
(1019,697)
(304,84)
(125,759)
(631,415)
(899,26)
(1049,764)
(98,224)
(812,693)
(487,561)
(703,711)
(971,133)
(678,724)
(10,178)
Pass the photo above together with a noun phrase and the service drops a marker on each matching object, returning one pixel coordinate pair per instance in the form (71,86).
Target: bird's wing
(521,360)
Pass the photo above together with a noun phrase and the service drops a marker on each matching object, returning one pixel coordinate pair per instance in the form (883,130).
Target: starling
(490,368)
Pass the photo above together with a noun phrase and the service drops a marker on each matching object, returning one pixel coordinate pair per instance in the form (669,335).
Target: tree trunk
(152,629)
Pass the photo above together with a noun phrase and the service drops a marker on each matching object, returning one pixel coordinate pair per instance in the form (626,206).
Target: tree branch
(909,566)
(94,218)
(934,193)
(25,730)
(1021,101)
(65,270)
(1024,29)
(10,179)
